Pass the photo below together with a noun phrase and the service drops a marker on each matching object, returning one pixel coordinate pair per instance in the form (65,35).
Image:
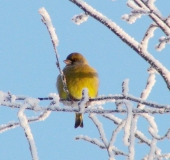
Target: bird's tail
(79,120)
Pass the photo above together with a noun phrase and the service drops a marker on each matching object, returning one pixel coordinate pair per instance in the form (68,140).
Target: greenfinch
(78,75)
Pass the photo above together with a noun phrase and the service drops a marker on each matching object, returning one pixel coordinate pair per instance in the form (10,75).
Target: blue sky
(27,63)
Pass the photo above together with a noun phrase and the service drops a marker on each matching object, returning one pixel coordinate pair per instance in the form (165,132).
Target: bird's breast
(79,77)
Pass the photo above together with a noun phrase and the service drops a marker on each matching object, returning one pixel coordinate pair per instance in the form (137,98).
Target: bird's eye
(75,59)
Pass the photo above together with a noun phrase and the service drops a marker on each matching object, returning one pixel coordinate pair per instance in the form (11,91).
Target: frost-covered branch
(148,35)
(100,129)
(163,41)
(149,85)
(158,137)
(129,130)
(33,105)
(154,128)
(141,7)
(12,125)
(78,19)
(127,123)
(24,124)
(99,144)
(125,88)
(102,135)
(91,140)
(168,20)
(116,131)
(137,12)
(138,134)
(164,156)
(154,15)
(93,101)
(125,38)
(48,23)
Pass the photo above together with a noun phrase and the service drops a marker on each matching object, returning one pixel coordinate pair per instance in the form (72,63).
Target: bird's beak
(67,61)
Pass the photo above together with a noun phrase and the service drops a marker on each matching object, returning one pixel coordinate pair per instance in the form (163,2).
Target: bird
(79,75)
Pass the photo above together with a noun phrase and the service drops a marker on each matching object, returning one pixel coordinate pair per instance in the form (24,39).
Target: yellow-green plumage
(78,75)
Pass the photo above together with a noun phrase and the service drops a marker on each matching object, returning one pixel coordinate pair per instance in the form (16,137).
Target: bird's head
(75,58)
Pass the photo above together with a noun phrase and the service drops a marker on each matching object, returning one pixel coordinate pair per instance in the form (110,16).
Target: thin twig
(48,23)
(149,34)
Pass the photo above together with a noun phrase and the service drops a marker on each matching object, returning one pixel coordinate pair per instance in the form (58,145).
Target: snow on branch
(158,108)
(141,7)
(107,22)
(99,144)
(126,38)
(163,41)
(137,12)
(151,121)
(154,128)
(125,88)
(109,146)
(55,99)
(164,156)
(100,129)
(102,135)
(148,35)
(116,131)
(4,96)
(78,19)
(12,125)
(154,15)
(150,4)
(48,23)
(91,140)
(138,134)
(158,137)
(24,124)
(113,118)
(168,20)
(132,138)
(150,83)
(127,123)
